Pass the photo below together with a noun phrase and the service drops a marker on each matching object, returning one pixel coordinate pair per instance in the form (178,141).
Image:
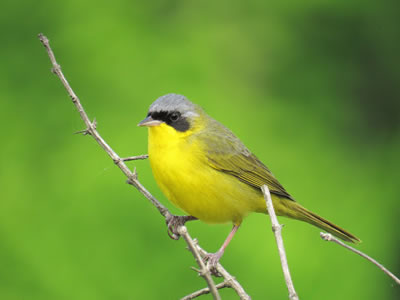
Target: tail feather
(313,219)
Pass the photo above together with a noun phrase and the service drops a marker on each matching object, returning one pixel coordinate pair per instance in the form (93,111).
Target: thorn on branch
(132,178)
(84,132)
(205,272)
(93,124)
(89,130)
(135,174)
(196,270)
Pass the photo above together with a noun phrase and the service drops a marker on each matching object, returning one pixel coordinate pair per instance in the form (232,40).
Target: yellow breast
(180,168)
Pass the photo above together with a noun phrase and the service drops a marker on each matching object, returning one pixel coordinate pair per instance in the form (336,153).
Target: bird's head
(174,114)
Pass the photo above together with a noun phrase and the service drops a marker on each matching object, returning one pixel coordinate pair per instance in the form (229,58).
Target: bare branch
(330,238)
(205,291)
(277,228)
(91,129)
(229,279)
(204,271)
(132,176)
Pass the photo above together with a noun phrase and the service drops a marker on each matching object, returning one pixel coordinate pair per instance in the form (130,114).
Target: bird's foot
(212,262)
(173,222)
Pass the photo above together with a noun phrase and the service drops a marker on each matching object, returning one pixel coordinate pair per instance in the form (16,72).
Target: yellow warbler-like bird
(205,170)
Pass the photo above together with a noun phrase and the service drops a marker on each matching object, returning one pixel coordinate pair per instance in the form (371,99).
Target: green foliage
(311,87)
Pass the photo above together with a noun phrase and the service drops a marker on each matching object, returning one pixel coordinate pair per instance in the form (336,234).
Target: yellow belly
(183,175)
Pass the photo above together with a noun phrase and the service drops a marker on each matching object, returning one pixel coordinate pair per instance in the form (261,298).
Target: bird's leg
(213,258)
(174,221)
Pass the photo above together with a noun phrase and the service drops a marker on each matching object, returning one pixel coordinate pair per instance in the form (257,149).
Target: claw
(212,262)
(173,222)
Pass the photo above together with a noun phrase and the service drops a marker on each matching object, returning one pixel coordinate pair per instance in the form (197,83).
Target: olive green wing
(226,153)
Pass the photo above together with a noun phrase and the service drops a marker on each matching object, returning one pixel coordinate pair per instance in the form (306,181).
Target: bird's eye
(174,116)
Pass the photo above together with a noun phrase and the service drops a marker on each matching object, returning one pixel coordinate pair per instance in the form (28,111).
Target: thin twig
(277,228)
(138,157)
(205,291)
(330,238)
(132,176)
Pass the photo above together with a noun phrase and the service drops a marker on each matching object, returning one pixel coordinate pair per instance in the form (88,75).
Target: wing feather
(226,153)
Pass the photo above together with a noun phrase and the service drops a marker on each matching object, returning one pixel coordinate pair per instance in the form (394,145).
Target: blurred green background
(311,87)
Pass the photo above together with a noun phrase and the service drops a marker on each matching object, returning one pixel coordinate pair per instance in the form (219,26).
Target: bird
(206,171)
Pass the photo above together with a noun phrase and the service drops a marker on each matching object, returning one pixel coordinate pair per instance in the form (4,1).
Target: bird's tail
(305,215)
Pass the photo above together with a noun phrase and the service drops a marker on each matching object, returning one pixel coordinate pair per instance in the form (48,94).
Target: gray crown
(173,102)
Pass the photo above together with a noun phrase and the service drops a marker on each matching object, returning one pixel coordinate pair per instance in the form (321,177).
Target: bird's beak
(149,122)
